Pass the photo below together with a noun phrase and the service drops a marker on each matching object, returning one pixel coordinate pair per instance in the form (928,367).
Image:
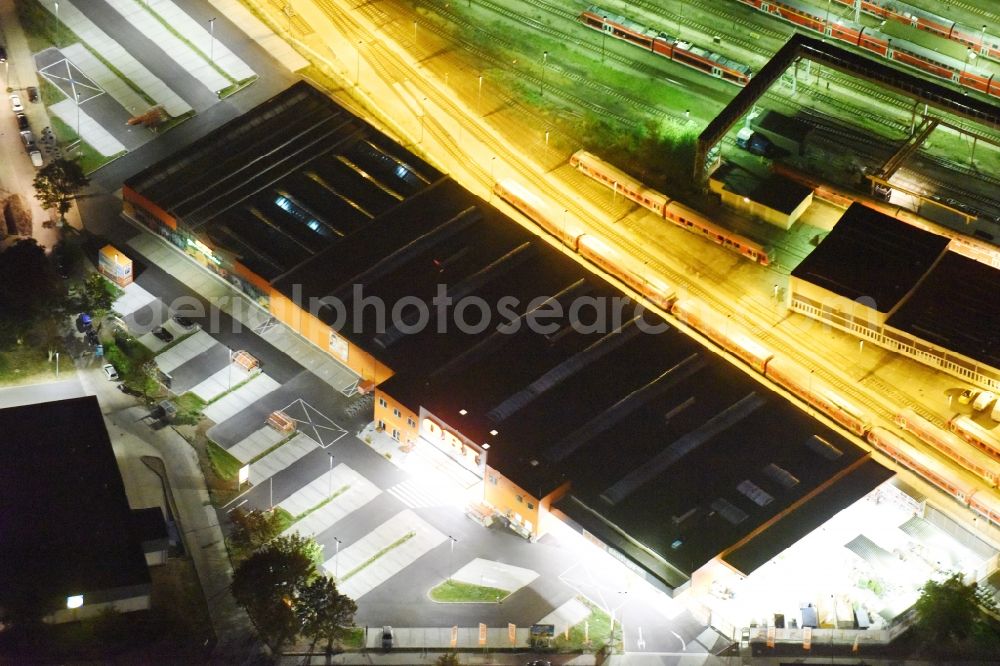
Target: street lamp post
(76,95)
(545,60)
(211,44)
(982,41)
(970,56)
(451,555)
(357,66)
(329,485)
(479,97)
(57,25)
(604,35)
(336,558)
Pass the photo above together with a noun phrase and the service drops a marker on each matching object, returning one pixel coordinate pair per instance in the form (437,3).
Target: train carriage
(660,43)
(817,393)
(929,468)
(975,434)
(948,444)
(614,263)
(714,326)
(538,211)
(902,51)
(691,220)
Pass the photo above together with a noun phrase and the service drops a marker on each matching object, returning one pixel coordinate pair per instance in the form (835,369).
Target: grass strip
(232,388)
(340,491)
(284,519)
(284,440)
(454,591)
(236,87)
(90,159)
(597,625)
(395,544)
(225,466)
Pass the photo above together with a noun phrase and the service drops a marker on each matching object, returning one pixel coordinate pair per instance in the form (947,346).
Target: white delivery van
(982,401)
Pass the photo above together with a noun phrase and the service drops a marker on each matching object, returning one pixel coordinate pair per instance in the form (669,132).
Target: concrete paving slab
(280,458)
(146,22)
(489,573)
(89,129)
(356,584)
(133,297)
(200,37)
(220,381)
(113,52)
(259,441)
(110,82)
(184,351)
(572,612)
(359,492)
(235,402)
(276,47)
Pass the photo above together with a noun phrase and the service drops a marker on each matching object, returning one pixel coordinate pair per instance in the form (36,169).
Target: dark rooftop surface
(793,128)
(287,179)
(64,518)
(775,191)
(649,427)
(871,255)
(956,307)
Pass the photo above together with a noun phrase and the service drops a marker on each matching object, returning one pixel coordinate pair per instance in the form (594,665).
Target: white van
(996,412)
(982,401)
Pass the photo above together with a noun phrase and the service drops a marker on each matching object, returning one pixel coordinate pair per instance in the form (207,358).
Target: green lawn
(355,638)
(597,624)
(453,591)
(226,467)
(189,408)
(90,159)
(24,364)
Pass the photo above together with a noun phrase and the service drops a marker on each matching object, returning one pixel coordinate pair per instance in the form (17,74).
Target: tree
(448,659)
(97,298)
(251,530)
(27,288)
(57,183)
(951,611)
(268,583)
(324,613)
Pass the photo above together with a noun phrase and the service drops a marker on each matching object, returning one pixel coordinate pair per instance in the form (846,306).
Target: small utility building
(774,199)
(69,544)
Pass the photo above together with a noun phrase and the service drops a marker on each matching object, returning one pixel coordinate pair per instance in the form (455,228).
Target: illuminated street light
(451,555)
(57,25)
(970,56)
(479,98)
(336,557)
(357,68)
(211,44)
(541,86)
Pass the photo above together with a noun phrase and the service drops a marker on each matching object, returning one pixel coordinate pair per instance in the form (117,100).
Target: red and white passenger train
(977,39)
(663,206)
(980,497)
(663,44)
(898,50)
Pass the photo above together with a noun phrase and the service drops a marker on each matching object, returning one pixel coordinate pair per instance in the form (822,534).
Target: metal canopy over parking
(800,46)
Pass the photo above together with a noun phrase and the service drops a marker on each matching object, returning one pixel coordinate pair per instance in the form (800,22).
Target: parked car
(15,103)
(83,322)
(184,322)
(128,390)
(36,157)
(22,122)
(967,396)
(983,400)
(386,638)
(110,372)
(163,334)
(27,138)
(3,54)
(32,94)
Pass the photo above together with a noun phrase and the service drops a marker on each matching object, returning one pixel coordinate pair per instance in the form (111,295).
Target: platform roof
(64,518)
(954,308)
(869,255)
(278,184)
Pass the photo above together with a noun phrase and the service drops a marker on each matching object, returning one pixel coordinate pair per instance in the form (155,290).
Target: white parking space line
(356,582)
(419,493)
(91,131)
(110,82)
(280,458)
(112,51)
(359,491)
(184,351)
(194,63)
(235,402)
(133,297)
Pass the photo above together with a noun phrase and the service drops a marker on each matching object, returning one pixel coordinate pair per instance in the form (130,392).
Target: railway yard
(584,120)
